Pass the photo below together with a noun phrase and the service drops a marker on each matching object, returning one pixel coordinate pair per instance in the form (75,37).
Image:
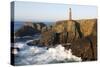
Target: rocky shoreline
(78,35)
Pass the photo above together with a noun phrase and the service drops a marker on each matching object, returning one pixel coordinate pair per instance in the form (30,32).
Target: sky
(50,12)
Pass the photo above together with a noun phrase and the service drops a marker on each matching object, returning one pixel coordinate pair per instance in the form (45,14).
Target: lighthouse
(70,14)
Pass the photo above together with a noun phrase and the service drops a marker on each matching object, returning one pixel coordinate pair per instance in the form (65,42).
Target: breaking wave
(42,55)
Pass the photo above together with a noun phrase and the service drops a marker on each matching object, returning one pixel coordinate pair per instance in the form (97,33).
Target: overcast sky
(32,11)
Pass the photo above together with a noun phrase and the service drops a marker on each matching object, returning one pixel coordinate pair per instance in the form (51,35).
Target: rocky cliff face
(30,29)
(78,35)
(86,26)
(71,30)
(86,48)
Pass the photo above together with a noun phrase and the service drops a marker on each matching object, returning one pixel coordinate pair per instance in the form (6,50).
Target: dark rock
(86,48)
(47,38)
(26,31)
(33,43)
(29,29)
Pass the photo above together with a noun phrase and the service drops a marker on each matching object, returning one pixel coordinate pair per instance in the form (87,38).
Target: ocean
(18,25)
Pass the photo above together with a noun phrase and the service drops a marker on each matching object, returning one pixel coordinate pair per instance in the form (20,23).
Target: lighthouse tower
(70,14)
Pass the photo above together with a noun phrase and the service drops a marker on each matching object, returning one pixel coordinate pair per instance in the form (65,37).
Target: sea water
(41,55)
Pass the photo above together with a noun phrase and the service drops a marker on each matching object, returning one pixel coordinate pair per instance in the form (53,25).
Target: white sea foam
(27,37)
(19,45)
(40,55)
(28,41)
(15,51)
(56,54)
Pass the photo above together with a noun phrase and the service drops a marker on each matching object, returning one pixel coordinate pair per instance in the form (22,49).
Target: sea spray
(19,45)
(42,55)
(58,54)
